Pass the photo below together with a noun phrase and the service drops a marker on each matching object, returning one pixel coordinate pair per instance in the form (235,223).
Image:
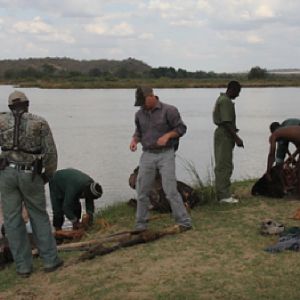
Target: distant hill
(56,64)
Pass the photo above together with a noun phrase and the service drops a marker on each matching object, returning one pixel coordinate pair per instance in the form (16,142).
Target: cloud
(187,23)
(219,14)
(160,5)
(205,6)
(116,52)
(146,36)
(42,30)
(36,26)
(122,29)
(191,34)
(99,27)
(65,8)
(33,48)
(241,38)
(264,11)
(254,39)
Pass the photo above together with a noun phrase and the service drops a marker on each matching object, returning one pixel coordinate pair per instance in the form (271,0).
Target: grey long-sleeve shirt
(151,125)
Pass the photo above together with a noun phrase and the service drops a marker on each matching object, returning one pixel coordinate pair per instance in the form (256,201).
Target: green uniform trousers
(17,187)
(223,148)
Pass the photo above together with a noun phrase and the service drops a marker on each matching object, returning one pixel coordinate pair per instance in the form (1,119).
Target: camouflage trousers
(164,162)
(17,187)
(223,148)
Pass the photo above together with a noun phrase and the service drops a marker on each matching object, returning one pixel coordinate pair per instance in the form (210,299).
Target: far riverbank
(100,83)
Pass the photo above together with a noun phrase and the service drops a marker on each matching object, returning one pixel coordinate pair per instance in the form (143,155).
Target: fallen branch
(78,246)
(134,238)
(86,245)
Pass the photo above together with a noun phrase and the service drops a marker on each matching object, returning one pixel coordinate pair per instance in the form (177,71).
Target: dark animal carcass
(5,254)
(273,188)
(158,199)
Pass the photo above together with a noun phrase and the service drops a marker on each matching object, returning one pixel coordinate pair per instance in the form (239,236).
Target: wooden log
(134,239)
(88,244)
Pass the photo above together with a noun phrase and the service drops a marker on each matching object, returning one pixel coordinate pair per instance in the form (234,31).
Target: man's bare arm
(271,155)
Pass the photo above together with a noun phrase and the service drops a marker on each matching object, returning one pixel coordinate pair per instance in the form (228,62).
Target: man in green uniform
(28,160)
(225,138)
(66,188)
(283,144)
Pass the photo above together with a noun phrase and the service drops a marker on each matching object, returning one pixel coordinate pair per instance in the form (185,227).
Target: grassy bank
(222,258)
(96,83)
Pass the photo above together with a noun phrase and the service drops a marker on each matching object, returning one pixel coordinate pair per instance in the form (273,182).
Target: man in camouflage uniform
(29,159)
(225,138)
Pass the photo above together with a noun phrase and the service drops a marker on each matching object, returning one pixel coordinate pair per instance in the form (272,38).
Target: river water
(93,128)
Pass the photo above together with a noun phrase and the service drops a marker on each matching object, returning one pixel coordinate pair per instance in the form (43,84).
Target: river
(93,128)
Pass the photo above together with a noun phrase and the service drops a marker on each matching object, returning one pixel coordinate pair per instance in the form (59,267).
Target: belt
(21,167)
(158,150)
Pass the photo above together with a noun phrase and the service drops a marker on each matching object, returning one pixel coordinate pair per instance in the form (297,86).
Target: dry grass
(222,258)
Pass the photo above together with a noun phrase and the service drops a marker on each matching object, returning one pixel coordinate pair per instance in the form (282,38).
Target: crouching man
(66,188)
(289,134)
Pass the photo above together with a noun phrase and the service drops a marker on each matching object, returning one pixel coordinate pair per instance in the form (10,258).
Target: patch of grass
(120,214)
(8,278)
(223,257)
(204,188)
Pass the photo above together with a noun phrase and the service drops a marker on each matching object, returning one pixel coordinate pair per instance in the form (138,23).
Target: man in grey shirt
(158,128)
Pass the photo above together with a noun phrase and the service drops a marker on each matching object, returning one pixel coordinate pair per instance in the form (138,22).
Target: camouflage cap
(140,95)
(17,97)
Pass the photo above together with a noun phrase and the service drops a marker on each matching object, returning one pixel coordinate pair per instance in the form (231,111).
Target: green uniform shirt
(224,111)
(66,188)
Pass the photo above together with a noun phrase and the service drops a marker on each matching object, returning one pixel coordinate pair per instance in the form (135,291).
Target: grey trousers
(165,163)
(17,187)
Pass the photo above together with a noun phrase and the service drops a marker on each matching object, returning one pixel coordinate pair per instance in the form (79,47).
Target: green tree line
(48,71)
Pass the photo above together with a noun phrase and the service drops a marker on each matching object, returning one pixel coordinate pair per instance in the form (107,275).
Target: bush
(257,73)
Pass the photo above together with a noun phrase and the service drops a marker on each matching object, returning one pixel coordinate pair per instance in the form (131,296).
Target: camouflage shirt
(35,141)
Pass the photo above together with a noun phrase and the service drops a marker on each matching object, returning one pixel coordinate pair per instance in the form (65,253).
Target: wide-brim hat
(141,93)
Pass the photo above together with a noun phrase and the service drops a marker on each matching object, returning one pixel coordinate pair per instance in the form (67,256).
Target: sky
(208,35)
